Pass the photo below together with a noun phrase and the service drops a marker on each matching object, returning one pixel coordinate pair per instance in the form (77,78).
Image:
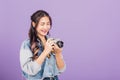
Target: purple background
(89,28)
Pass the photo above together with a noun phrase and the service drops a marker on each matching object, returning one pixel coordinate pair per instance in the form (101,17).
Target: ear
(33,24)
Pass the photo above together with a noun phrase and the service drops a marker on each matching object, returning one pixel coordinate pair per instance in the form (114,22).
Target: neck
(42,38)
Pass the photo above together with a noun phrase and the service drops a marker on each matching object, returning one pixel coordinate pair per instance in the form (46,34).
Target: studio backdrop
(90,30)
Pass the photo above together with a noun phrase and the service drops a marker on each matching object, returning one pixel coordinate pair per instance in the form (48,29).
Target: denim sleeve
(27,64)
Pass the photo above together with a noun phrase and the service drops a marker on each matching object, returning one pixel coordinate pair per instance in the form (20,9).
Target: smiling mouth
(44,31)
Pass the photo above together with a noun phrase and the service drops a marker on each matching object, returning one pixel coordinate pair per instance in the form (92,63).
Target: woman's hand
(48,46)
(56,49)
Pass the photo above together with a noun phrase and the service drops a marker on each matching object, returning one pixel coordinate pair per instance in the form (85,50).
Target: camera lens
(60,44)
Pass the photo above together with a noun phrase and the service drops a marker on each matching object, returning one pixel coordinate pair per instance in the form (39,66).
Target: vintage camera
(59,42)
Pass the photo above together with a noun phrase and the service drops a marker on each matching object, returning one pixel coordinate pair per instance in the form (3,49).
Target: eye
(48,23)
(42,23)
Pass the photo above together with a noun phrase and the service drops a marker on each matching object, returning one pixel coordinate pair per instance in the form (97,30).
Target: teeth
(44,31)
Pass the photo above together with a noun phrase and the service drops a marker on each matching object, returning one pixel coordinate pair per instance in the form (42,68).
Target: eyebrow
(45,22)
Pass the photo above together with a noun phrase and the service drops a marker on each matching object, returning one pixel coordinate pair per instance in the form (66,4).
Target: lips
(44,31)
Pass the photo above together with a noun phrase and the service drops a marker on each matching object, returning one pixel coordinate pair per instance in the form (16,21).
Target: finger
(56,46)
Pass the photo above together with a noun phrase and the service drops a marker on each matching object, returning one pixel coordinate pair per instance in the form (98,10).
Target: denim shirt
(31,70)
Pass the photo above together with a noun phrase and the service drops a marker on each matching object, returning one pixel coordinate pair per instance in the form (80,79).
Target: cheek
(49,27)
(38,28)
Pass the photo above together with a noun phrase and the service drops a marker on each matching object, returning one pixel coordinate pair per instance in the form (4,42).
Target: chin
(44,34)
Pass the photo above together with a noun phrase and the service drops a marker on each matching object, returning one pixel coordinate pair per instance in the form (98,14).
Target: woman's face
(43,26)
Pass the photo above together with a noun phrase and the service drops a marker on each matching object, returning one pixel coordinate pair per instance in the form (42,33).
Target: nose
(46,26)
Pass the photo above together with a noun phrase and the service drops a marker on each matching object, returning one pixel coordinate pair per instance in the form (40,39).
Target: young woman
(40,57)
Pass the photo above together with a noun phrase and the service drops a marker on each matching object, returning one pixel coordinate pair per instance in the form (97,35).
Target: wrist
(59,55)
(58,52)
(45,52)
